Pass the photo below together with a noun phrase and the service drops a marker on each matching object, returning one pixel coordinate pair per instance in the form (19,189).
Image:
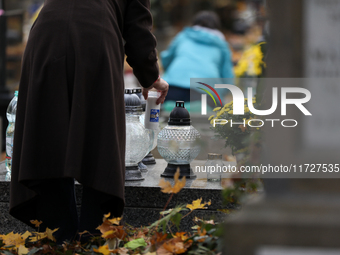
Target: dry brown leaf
(158,238)
(201,233)
(115,232)
(162,251)
(105,226)
(182,235)
(176,245)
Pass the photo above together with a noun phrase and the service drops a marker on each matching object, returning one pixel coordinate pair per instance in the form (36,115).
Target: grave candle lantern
(178,142)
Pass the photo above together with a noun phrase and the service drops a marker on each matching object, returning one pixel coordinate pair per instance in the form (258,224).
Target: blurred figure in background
(200,51)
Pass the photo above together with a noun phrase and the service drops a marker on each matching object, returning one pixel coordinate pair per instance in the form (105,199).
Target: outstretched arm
(140,46)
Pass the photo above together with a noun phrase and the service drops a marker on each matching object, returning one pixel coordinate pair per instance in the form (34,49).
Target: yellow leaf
(49,234)
(166,185)
(37,236)
(22,250)
(107,215)
(196,204)
(12,239)
(217,109)
(26,235)
(103,250)
(115,221)
(108,234)
(112,221)
(36,223)
(182,235)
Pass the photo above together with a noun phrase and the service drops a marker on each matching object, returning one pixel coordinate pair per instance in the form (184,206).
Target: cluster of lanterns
(177,143)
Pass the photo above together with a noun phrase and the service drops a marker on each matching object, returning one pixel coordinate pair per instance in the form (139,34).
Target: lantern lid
(132,102)
(138,92)
(133,91)
(179,116)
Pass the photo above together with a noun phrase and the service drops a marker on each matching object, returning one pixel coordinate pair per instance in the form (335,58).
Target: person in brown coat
(70,121)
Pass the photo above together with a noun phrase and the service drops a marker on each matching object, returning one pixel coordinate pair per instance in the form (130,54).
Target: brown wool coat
(70,117)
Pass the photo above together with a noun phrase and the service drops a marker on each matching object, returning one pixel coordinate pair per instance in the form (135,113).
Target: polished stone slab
(144,199)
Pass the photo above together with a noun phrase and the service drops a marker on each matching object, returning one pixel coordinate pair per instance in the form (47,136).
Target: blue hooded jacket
(196,53)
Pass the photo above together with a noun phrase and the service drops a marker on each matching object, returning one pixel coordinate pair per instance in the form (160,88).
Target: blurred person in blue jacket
(200,51)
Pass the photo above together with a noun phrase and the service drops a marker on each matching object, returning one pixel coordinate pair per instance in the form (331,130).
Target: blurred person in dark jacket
(70,121)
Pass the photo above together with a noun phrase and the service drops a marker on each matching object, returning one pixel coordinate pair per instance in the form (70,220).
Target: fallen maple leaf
(49,234)
(178,185)
(104,227)
(176,246)
(162,251)
(142,233)
(108,225)
(109,234)
(37,236)
(158,238)
(36,223)
(196,204)
(26,235)
(22,250)
(182,235)
(115,232)
(115,221)
(202,234)
(103,249)
(12,239)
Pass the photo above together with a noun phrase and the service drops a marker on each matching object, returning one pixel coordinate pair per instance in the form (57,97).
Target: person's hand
(162,86)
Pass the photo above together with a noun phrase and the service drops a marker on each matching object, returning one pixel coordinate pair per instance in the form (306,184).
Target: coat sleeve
(140,43)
